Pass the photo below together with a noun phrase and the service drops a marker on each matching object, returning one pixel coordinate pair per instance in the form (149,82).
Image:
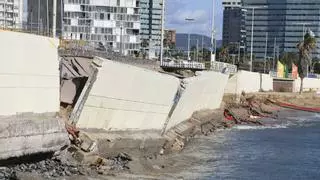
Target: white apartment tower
(150,16)
(11,13)
(113,23)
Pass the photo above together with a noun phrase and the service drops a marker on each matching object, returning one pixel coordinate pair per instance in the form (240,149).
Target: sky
(178,10)
(200,10)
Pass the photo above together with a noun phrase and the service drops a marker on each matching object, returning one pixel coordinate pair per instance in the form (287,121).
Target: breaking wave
(248,127)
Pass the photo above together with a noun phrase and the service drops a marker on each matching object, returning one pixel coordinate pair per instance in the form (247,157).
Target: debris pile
(249,111)
(49,168)
(65,164)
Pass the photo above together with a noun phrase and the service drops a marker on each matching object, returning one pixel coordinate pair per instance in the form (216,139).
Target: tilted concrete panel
(126,97)
(202,92)
(29,73)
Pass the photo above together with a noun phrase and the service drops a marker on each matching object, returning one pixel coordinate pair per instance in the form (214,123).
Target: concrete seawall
(29,93)
(308,84)
(204,91)
(29,73)
(125,97)
(249,82)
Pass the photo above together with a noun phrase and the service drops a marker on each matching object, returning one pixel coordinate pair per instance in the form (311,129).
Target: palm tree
(305,47)
(289,58)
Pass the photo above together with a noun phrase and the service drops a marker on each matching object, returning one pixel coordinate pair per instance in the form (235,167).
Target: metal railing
(183,65)
(274,74)
(219,66)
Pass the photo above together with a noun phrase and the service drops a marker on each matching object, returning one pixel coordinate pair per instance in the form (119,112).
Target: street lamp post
(265,53)
(162,31)
(239,49)
(54,16)
(189,20)
(303,28)
(252,28)
(213,39)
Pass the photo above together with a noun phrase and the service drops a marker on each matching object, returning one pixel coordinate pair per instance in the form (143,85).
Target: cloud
(199,16)
(201,23)
(200,10)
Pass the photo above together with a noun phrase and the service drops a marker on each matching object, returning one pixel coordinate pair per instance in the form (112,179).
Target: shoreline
(152,164)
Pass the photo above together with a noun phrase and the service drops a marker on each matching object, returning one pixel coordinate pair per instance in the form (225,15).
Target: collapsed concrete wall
(249,82)
(30,133)
(126,97)
(308,84)
(29,73)
(29,93)
(204,91)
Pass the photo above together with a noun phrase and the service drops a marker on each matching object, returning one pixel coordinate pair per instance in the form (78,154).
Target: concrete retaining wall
(29,73)
(308,84)
(126,97)
(31,133)
(204,91)
(249,82)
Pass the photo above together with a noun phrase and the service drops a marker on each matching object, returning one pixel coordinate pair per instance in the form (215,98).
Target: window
(118,2)
(101,16)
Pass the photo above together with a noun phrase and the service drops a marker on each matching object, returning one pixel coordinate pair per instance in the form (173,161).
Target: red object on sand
(296,107)
(228,116)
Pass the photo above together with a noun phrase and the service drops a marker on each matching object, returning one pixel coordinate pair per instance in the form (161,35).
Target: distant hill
(219,44)
(182,41)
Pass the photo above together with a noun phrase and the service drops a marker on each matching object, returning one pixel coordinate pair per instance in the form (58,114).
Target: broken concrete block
(31,133)
(87,144)
(178,145)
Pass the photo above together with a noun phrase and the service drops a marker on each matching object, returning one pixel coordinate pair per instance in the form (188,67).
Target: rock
(87,144)
(161,151)
(177,146)
(124,157)
(68,173)
(156,167)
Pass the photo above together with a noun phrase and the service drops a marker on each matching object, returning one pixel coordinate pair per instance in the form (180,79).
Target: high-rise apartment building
(150,11)
(113,23)
(41,21)
(11,13)
(233,23)
(283,22)
(170,37)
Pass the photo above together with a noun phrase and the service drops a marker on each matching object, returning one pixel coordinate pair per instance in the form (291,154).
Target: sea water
(287,149)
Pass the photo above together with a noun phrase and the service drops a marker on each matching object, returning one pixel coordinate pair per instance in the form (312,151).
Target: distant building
(114,24)
(284,21)
(195,40)
(42,22)
(150,31)
(234,31)
(11,13)
(170,37)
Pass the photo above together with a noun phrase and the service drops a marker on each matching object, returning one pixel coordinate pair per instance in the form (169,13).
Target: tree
(305,47)
(144,45)
(205,54)
(314,62)
(289,58)
(224,54)
(316,68)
